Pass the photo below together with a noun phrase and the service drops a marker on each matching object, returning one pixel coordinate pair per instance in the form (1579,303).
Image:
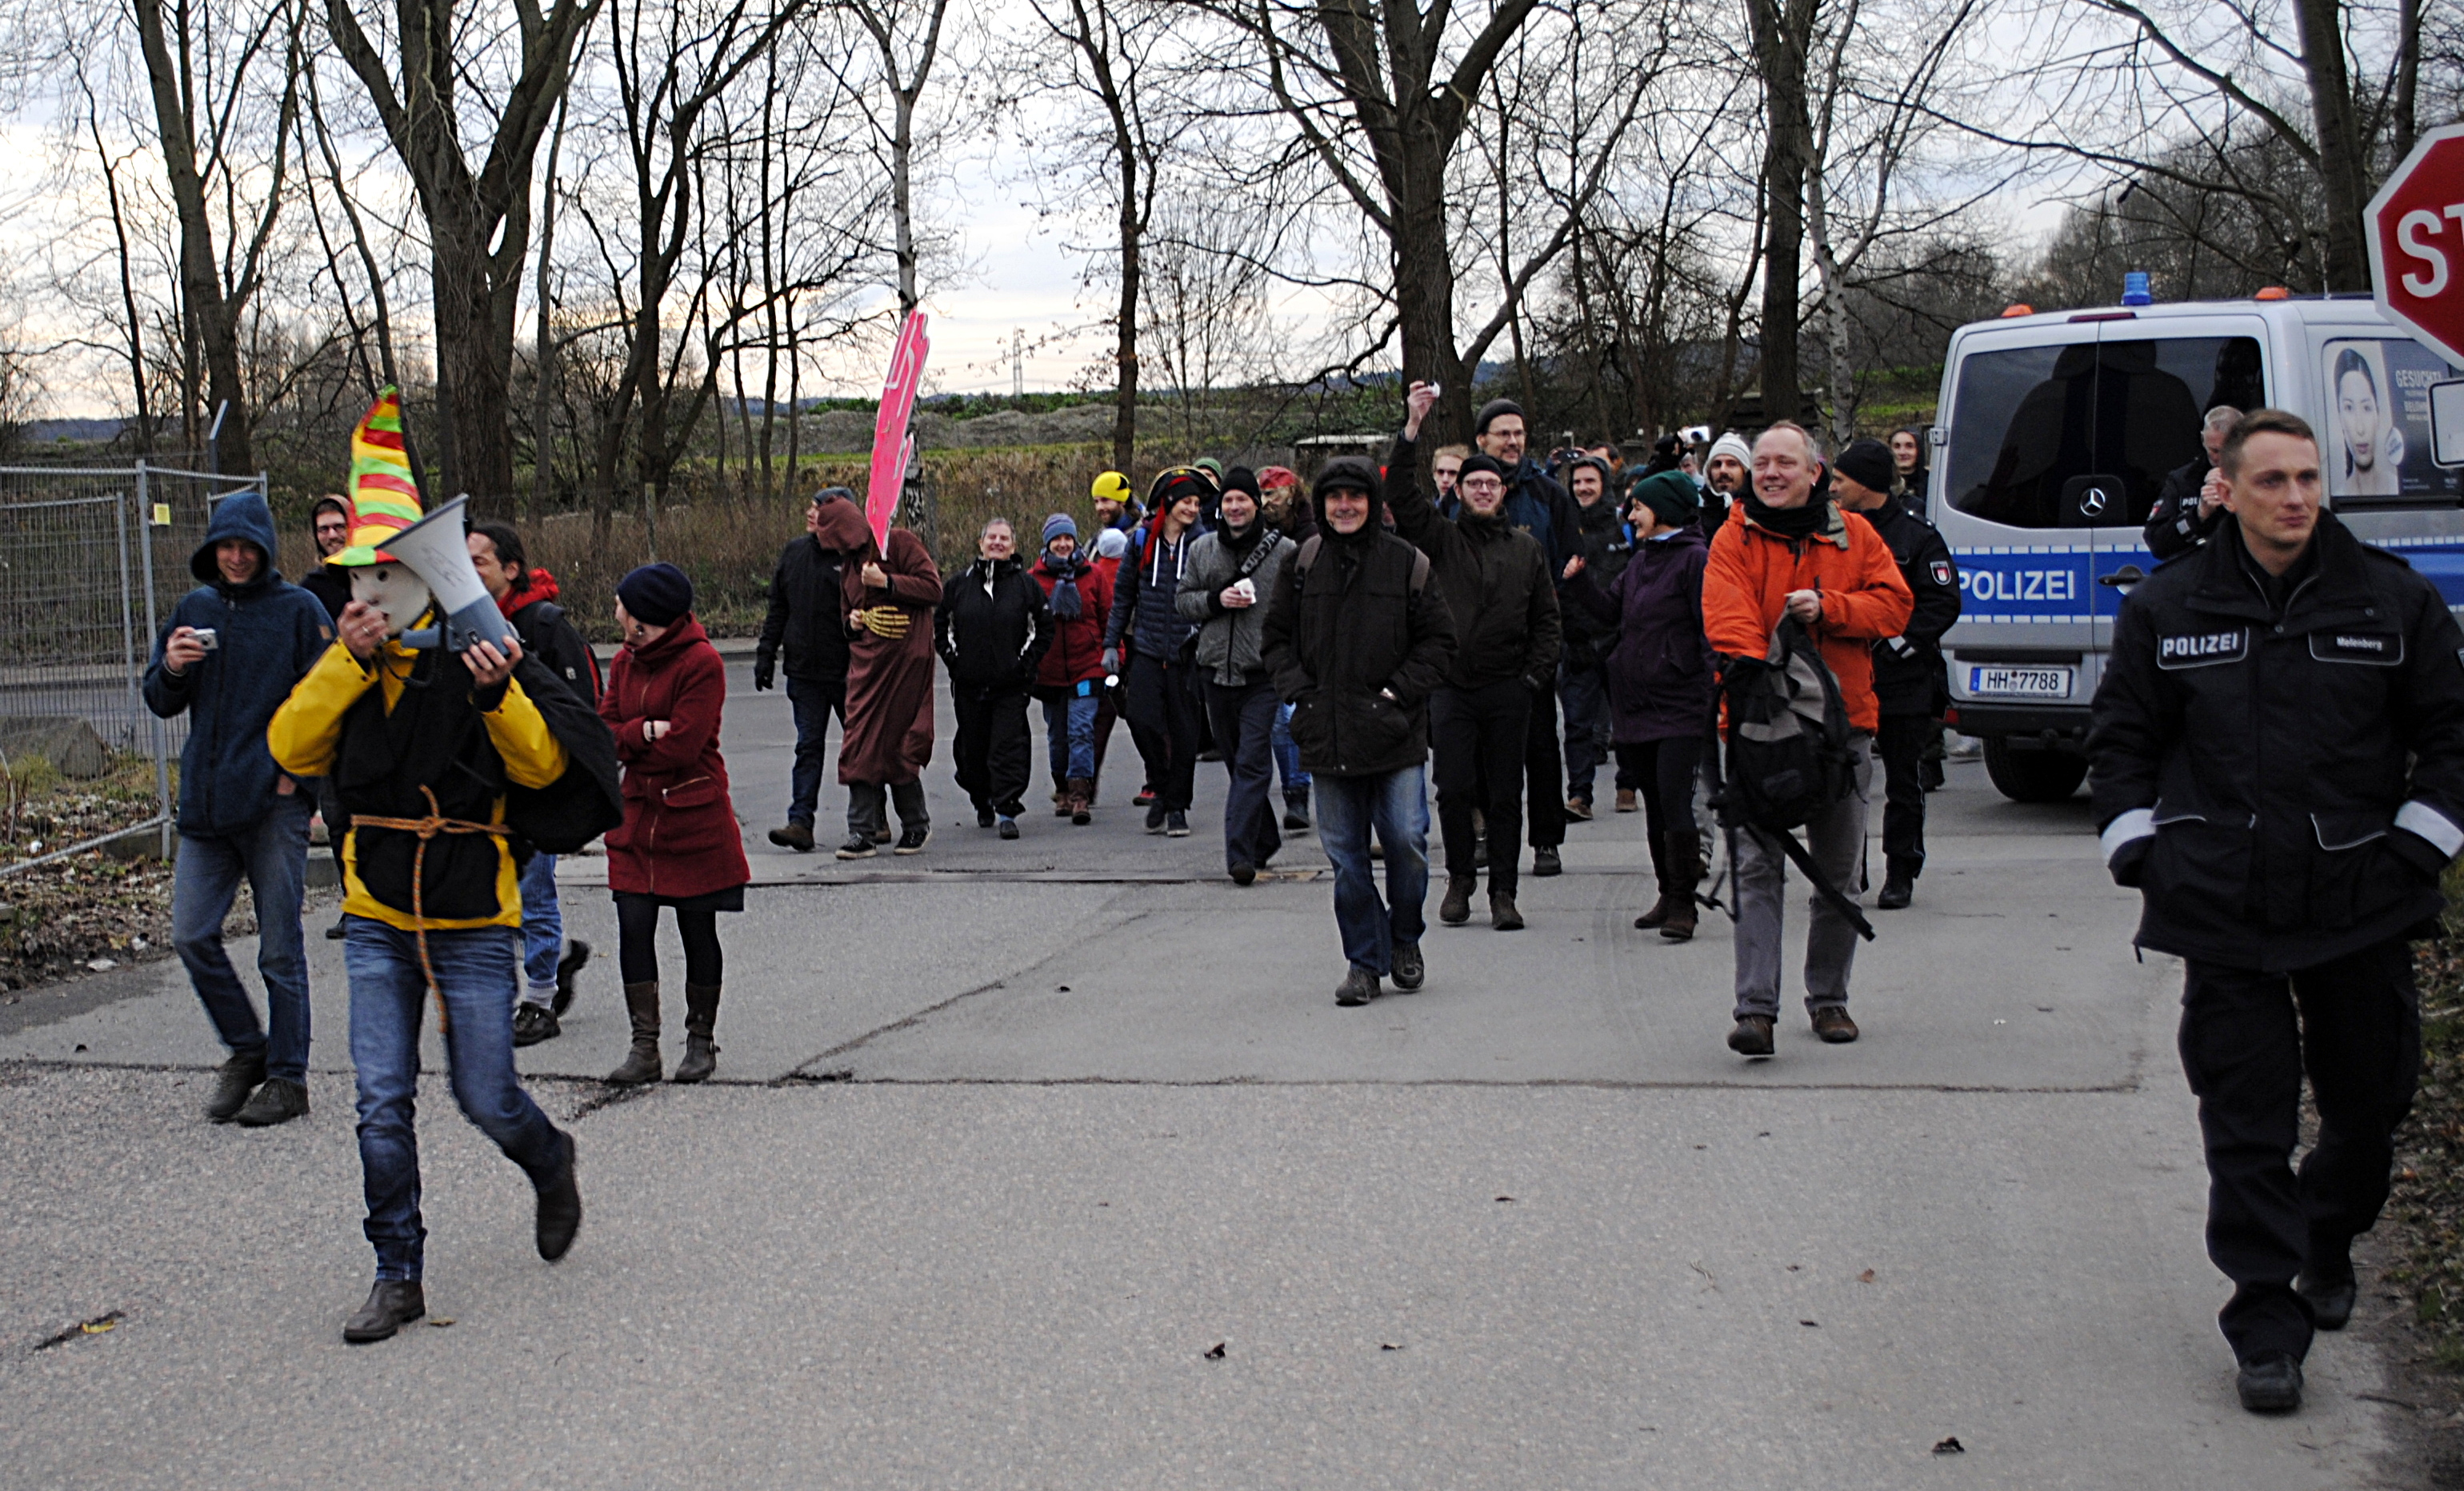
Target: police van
(2055,433)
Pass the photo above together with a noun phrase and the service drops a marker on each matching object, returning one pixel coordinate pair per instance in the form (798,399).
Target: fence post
(146,553)
(128,619)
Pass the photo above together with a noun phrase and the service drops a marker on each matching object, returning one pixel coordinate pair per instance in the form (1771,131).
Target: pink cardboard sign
(891,449)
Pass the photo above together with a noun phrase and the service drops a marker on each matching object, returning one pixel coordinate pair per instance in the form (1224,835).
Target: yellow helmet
(1111,487)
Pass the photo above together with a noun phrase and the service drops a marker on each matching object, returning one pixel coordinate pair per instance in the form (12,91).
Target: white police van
(2055,432)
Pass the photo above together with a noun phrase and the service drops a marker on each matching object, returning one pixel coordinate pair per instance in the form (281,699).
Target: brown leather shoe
(1832,1023)
(1626,802)
(1753,1036)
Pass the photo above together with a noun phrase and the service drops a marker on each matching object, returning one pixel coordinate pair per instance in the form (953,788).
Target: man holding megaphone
(455,757)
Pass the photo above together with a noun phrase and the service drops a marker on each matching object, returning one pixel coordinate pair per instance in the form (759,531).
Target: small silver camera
(208,638)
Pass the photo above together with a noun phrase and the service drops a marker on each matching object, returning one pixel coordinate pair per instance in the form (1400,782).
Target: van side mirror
(2447,423)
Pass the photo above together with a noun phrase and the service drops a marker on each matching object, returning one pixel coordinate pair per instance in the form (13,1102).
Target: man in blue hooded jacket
(228,657)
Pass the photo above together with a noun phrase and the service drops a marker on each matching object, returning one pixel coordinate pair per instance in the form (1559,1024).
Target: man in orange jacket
(1789,550)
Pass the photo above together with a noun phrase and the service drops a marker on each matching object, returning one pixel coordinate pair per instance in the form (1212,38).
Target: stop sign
(2416,228)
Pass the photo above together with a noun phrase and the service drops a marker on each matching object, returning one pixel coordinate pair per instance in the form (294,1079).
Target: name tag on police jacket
(2378,649)
(2202,649)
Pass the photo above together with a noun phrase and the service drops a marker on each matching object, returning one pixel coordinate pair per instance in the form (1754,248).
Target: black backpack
(1788,755)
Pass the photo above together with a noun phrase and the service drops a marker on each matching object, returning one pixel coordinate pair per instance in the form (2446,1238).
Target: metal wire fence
(91,559)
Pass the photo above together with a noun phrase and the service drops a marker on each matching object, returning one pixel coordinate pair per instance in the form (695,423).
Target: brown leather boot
(1082,801)
(1659,911)
(641,1064)
(1680,924)
(702,1022)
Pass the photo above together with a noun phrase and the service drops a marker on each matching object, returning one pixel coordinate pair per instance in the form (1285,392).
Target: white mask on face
(394,591)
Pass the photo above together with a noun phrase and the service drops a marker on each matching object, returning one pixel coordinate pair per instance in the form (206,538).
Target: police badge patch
(1942,576)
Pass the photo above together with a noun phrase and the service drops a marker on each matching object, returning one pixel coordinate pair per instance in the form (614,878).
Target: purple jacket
(1660,668)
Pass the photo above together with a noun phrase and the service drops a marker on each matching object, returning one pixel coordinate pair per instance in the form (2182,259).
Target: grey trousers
(1835,839)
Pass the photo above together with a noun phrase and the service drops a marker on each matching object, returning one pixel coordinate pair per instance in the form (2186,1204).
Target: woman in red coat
(1070,678)
(679,844)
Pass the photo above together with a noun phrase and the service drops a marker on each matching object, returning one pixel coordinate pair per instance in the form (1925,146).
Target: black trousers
(1544,761)
(1663,771)
(637,930)
(1243,718)
(1163,708)
(2358,1036)
(1901,743)
(1478,736)
(995,752)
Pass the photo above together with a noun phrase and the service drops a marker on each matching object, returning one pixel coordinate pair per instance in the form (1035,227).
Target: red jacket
(1077,652)
(679,837)
(1751,570)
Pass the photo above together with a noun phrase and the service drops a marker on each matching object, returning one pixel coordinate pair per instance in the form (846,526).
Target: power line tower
(1017,363)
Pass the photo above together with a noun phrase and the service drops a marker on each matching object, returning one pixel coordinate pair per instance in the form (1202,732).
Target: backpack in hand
(1788,755)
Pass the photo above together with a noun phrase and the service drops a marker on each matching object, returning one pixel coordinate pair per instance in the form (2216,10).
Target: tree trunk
(1783,33)
(1125,353)
(2341,167)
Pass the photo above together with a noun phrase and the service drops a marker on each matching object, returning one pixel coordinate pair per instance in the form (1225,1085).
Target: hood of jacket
(842,529)
(1346,470)
(243,515)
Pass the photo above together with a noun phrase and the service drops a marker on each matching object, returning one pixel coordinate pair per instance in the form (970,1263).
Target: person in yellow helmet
(1116,505)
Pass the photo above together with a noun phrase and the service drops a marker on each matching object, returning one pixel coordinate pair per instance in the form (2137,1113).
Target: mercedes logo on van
(2092,502)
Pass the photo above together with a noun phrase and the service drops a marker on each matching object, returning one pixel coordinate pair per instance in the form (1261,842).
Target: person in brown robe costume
(888,740)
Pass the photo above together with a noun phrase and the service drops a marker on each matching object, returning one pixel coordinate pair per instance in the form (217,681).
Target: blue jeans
(388,999)
(1069,724)
(273,856)
(1287,755)
(811,704)
(543,929)
(1244,727)
(1397,804)
(1586,697)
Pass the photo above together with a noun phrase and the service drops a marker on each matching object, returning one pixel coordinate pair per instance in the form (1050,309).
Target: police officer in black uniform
(1907,668)
(2183,515)
(2278,768)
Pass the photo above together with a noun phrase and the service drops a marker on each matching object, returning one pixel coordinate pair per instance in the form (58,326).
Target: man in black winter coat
(1356,639)
(1907,668)
(1497,582)
(329,525)
(808,622)
(1583,684)
(1536,504)
(992,632)
(2190,503)
(2278,769)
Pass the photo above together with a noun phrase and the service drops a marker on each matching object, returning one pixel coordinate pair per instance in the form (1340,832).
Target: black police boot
(2269,1383)
(234,1080)
(1899,884)
(393,1304)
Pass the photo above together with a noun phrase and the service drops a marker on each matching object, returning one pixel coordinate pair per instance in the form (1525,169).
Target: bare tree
(907,35)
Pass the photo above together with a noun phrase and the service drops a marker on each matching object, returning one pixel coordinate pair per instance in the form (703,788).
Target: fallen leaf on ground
(1867,1276)
(440,1322)
(1217,1355)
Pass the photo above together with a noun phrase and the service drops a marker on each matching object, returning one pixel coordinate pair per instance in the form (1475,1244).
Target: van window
(2375,442)
(2030,423)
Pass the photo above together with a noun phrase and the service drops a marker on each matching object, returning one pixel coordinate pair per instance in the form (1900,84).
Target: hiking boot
(1081,803)
(569,968)
(1898,891)
(911,841)
(1456,909)
(2269,1383)
(2331,1292)
(1502,915)
(534,1023)
(1009,827)
(1410,970)
(560,1207)
(1658,913)
(1296,819)
(234,1080)
(1175,824)
(859,846)
(1681,916)
(1753,1036)
(1832,1023)
(280,1101)
(797,837)
(1579,810)
(393,1304)
(1155,815)
(1545,860)
(1359,986)
(1626,802)
(1245,874)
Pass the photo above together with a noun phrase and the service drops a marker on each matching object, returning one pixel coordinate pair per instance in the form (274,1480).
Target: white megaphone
(436,551)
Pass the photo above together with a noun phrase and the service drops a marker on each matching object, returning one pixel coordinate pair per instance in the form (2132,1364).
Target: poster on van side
(2376,443)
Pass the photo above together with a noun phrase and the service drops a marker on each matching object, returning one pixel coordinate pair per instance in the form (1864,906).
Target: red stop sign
(2416,227)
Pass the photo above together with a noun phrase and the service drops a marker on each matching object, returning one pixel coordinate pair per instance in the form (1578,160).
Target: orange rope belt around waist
(427,828)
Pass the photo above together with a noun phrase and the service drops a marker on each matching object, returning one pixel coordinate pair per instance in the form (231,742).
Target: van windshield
(2030,425)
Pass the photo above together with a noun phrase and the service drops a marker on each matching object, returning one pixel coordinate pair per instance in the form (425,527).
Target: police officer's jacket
(2283,783)
(1907,668)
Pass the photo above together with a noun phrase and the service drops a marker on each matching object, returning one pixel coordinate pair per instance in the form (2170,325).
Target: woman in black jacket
(991,631)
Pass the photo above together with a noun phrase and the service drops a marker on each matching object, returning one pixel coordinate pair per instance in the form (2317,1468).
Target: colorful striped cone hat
(383,499)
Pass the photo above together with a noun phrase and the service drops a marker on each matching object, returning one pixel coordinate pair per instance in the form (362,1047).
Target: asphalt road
(1009,1136)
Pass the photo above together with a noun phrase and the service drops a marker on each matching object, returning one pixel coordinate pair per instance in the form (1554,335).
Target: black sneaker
(234,1080)
(1155,815)
(278,1102)
(1245,874)
(911,841)
(1359,986)
(1175,825)
(393,1304)
(569,968)
(1409,969)
(859,846)
(1545,863)
(1009,827)
(560,1207)
(534,1023)
(983,818)
(1898,891)
(2269,1383)
(2331,1293)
